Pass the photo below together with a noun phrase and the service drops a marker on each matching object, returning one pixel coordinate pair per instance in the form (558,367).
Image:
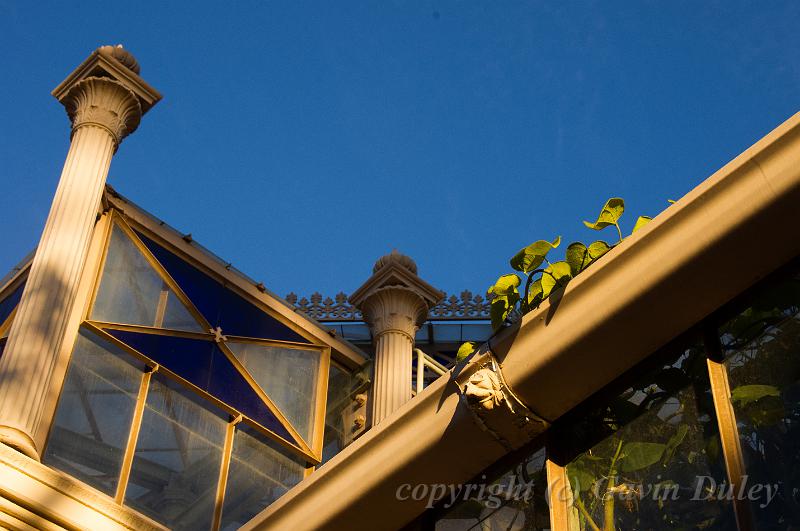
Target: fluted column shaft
(394,314)
(392,373)
(103,112)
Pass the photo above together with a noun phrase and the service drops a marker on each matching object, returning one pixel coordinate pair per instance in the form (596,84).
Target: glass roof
(220,306)
(270,374)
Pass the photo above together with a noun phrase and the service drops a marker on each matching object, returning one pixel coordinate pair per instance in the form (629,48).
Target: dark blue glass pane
(9,303)
(219,305)
(206,366)
(192,359)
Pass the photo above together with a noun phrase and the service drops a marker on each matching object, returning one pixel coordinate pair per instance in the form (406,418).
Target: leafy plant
(542,278)
(638,448)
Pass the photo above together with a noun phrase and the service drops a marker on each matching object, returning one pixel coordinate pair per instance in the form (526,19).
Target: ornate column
(394,302)
(105,99)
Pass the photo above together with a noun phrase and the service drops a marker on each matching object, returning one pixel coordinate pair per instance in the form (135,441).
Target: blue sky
(302,140)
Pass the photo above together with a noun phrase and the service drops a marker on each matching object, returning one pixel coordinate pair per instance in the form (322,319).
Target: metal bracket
(494,405)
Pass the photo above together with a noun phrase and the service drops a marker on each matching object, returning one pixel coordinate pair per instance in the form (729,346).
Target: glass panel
(203,364)
(176,315)
(341,408)
(132,292)
(446,333)
(476,332)
(513,500)
(762,348)
(259,474)
(288,377)
(647,457)
(177,461)
(94,413)
(8,304)
(219,305)
(358,333)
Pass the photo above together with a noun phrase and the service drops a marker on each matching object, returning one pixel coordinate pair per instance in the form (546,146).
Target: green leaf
(639,455)
(555,275)
(535,293)
(598,249)
(577,256)
(498,312)
(746,394)
(465,350)
(580,479)
(674,442)
(530,257)
(641,221)
(768,411)
(609,215)
(505,286)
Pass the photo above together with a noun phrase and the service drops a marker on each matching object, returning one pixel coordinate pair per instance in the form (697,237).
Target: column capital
(105,103)
(395,297)
(394,309)
(107,91)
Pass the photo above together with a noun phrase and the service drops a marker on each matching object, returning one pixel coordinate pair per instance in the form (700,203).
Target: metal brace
(486,392)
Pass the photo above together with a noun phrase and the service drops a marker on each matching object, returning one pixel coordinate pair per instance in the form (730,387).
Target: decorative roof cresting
(464,307)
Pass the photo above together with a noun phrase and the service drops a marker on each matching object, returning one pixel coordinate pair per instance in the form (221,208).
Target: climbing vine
(541,278)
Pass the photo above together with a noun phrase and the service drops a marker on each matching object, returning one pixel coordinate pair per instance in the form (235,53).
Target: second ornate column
(394,302)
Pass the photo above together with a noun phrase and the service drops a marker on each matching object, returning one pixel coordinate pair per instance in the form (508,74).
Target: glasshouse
(146,383)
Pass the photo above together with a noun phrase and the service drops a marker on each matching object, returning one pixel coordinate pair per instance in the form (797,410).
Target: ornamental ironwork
(464,307)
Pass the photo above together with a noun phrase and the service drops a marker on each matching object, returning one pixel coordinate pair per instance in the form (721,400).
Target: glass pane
(341,408)
(94,413)
(132,292)
(446,333)
(513,500)
(203,364)
(357,333)
(762,348)
(288,377)
(177,461)
(259,474)
(8,304)
(476,332)
(219,305)
(647,457)
(176,315)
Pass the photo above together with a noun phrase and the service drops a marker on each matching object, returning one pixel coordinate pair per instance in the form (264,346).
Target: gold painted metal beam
(133,436)
(729,432)
(225,465)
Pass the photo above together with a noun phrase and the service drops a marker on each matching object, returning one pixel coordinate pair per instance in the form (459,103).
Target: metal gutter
(732,230)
